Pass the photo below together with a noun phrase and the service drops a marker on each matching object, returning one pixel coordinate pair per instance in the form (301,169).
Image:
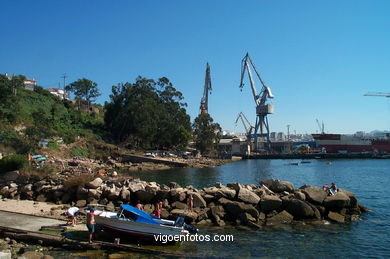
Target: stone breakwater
(269,203)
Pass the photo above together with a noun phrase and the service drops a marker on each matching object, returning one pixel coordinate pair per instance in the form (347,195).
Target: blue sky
(318,57)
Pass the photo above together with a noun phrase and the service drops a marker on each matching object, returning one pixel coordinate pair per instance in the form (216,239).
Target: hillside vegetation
(146,114)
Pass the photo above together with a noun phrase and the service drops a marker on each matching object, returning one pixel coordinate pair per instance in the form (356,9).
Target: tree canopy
(148,114)
(206,133)
(84,89)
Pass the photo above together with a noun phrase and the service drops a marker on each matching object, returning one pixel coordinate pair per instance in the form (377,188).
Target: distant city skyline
(319,58)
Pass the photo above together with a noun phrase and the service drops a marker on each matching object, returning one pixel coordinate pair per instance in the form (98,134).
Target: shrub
(79,152)
(13,162)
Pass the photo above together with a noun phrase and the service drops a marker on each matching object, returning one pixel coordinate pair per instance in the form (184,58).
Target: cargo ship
(340,143)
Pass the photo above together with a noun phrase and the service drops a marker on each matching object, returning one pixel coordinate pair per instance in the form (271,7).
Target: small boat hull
(114,225)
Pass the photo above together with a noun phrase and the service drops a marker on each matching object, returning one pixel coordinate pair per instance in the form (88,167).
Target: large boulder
(248,196)
(336,217)
(280,218)
(336,202)
(144,196)
(179,205)
(226,192)
(313,194)
(124,194)
(269,203)
(211,190)
(136,186)
(96,183)
(198,201)
(299,209)
(235,208)
(278,186)
(11,176)
(218,211)
(235,186)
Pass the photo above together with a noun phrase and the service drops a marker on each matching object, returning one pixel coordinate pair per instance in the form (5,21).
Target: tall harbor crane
(321,126)
(378,94)
(207,88)
(247,125)
(261,129)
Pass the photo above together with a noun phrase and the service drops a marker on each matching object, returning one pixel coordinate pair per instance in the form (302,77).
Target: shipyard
(194,129)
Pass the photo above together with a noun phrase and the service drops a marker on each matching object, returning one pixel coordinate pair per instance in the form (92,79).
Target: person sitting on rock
(72,213)
(139,205)
(326,188)
(333,189)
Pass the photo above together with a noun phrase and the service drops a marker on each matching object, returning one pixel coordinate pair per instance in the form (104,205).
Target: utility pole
(64,76)
(288,132)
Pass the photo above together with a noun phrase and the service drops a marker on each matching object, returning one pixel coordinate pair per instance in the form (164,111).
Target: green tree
(148,114)
(84,89)
(206,134)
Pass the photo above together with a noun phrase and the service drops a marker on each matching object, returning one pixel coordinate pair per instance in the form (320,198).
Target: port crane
(247,125)
(207,88)
(261,129)
(321,126)
(378,94)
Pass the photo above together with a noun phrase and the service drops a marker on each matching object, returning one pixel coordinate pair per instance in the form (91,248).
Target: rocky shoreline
(269,203)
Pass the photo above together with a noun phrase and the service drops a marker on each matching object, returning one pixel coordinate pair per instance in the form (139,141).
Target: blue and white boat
(131,221)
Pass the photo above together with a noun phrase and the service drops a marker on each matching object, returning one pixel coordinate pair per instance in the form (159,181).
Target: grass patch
(79,152)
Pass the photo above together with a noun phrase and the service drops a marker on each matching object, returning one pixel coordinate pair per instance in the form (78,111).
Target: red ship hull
(338,143)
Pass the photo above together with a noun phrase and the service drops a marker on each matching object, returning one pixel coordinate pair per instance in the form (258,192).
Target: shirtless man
(91,223)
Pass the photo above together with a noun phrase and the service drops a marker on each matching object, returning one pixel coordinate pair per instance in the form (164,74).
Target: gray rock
(336,217)
(81,203)
(136,186)
(198,201)
(94,193)
(235,186)
(300,196)
(125,195)
(245,218)
(179,205)
(96,183)
(217,211)
(313,194)
(226,193)
(280,218)
(278,186)
(173,185)
(235,208)
(144,196)
(269,203)
(336,202)
(299,209)
(248,196)
(211,190)
(11,176)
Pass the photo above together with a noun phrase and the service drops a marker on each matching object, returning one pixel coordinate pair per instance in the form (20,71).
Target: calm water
(368,179)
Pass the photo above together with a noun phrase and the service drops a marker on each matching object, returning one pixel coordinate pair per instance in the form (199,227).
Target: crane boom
(247,125)
(378,94)
(262,109)
(204,102)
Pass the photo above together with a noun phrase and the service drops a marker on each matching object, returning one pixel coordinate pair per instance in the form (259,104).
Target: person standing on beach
(157,210)
(190,202)
(91,223)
